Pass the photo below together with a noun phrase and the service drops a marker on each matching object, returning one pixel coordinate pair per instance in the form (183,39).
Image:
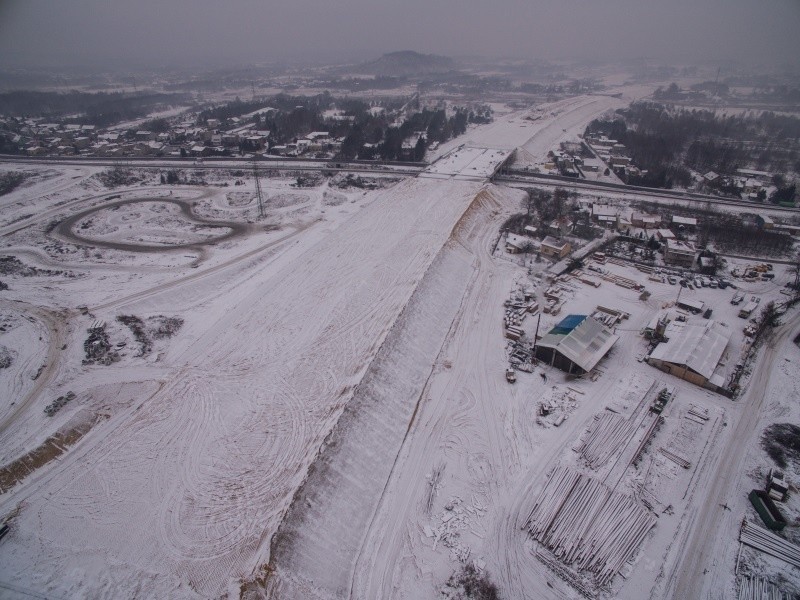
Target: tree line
(100,108)
(666,142)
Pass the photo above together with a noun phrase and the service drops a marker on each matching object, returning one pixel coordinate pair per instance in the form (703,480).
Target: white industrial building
(693,352)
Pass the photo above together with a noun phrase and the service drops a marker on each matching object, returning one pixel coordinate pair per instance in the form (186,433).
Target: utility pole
(259,195)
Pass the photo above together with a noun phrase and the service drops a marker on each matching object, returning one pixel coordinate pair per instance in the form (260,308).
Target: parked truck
(747,310)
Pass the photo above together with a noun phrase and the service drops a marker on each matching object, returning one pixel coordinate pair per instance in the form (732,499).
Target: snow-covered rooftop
(699,346)
(604,210)
(584,345)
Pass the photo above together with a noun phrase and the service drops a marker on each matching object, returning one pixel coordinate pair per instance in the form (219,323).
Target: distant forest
(295,116)
(667,142)
(100,109)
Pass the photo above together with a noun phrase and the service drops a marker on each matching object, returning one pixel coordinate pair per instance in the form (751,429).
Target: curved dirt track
(66,229)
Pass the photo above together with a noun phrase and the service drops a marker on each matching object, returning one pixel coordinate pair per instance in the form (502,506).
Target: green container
(767,510)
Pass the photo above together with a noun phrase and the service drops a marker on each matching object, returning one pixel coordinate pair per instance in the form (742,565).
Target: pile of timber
(584,278)
(697,414)
(621,314)
(623,282)
(767,542)
(607,435)
(651,431)
(758,588)
(587,525)
(681,462)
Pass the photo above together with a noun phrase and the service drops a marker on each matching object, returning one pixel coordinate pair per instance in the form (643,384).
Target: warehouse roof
(567,324)
(698,346)
(585,344)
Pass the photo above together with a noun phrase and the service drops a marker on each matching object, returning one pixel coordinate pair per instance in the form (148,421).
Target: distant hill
(407,63)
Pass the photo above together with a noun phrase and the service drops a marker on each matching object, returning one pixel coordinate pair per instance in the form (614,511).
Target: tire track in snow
(317,548)
(447,424)
(225,444)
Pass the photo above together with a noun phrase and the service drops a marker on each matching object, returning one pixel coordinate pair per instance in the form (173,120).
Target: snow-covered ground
(243,406)
(332,419)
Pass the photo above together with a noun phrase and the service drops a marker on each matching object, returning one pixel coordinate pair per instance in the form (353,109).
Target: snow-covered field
(330,418)
(242,409)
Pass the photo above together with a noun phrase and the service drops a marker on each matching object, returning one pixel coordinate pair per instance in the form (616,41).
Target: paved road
(666,196)
(232,163)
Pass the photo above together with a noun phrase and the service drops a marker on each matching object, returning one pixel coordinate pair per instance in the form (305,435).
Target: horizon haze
(92,34)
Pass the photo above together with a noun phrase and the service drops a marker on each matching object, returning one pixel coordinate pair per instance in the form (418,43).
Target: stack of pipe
(681,462)
(759,538)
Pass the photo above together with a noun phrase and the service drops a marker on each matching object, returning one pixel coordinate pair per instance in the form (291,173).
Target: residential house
(765,222)
(688,223)
(645,220)
(664,234)
(517,243)
(561,226)
(679,253)
(555,248)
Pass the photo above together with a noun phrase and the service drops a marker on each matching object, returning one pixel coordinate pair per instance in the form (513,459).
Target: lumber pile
(758,588)
(623,282)
(681,462)
(651,431)
(759,538)
(584,278)
(587,525)
(697,414)
(607,435)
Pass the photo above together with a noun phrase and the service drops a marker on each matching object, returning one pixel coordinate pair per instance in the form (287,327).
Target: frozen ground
(174,462)
(332,419)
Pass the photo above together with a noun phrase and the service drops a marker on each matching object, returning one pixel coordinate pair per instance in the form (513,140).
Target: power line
(259,195)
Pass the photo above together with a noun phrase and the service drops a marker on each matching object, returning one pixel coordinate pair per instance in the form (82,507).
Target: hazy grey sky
(165,32)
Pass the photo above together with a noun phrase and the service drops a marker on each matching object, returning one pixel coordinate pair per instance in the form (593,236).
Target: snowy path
(457,422)
(52,326)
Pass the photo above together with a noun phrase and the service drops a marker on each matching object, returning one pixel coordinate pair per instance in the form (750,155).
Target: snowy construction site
(286,385)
